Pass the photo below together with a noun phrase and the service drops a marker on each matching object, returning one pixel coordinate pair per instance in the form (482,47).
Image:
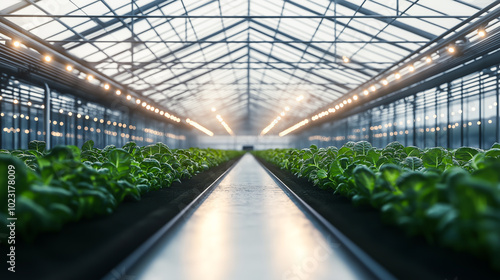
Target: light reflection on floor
(248,228)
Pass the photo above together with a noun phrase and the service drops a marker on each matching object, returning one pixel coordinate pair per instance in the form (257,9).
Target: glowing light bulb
(428,59)
(345,59)
(385,82)
(16,44)
(411,68)
(118,92)
(47,58)
(213,109)
(106,86)
(69,68)
(397,76)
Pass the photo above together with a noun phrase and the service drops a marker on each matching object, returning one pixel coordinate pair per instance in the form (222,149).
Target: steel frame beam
(370,15)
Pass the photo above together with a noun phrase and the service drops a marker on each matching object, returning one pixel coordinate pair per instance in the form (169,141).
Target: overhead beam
(367,16)
(237,41)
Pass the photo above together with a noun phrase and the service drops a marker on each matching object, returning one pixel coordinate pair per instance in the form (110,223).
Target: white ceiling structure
(248,59)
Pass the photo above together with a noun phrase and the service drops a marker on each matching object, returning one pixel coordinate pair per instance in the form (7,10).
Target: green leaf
(496,145)
(120,159)
(88,146)
(433,157)
(390,173)
(322,174)
(150,163)
(362,148)
(373,156)
(347,151)
(36,145)
(413,181)
(465,153)
(489,172)
(158,148)
(364,179)
(412,151)
(395,145)
(413,163)
(493,153)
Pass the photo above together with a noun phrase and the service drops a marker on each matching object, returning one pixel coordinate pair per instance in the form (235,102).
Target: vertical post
(405,127)
(248,63)
(29,114)
(414,120)
(497,121)
(75,123)
(46,116)
(393,127)
(425,121)
(462,115)
(370,124)
(436,133)
(335,31)
(448,129)
(480,109)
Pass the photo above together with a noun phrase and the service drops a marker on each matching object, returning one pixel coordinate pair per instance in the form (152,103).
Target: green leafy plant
(67,184)
(452,197)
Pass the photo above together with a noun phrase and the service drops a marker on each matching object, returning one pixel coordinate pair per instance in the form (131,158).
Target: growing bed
(405,257)
(91,248)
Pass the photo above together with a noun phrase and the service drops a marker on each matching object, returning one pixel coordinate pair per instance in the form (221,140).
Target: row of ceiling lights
(199,127)
(118,92)
(223,123)
(451,49)
(107,87)
(278,118)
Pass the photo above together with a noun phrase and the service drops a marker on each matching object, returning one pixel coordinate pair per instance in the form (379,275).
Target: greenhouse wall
(462,112)
(240,141)
(75,120)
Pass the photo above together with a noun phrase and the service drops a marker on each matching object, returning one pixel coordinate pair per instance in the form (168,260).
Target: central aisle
(248,228)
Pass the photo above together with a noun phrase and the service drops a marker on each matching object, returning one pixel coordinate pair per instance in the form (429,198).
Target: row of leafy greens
(67,184)
(452,197)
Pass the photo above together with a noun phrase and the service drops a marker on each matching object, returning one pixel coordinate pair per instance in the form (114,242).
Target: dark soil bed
(405,257)
(90,249)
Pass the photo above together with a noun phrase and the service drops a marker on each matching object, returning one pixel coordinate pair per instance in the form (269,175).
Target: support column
(46,116)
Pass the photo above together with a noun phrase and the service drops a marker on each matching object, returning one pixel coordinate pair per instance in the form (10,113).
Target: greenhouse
(250,139)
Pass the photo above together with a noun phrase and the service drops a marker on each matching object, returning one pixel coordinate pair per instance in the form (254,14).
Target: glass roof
(247,58)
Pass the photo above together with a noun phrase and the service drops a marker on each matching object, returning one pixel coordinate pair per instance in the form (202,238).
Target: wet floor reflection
(248,228)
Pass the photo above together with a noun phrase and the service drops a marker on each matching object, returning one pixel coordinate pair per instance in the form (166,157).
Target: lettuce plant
(451,197)
(67,183)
